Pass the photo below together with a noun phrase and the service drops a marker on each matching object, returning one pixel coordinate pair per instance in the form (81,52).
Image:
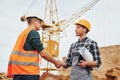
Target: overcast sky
(104,18)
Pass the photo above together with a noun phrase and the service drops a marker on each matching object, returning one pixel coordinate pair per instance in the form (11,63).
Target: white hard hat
(35,14)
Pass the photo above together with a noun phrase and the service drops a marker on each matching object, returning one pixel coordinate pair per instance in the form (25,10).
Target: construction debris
(3,76)
(113,73)
(49,76)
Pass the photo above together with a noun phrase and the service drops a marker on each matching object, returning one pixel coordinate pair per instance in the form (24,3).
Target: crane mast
(51,12)
(50,38)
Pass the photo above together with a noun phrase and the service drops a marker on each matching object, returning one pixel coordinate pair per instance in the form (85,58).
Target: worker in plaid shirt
(80,67)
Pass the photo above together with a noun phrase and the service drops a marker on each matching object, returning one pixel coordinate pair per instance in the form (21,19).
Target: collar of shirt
(83,40)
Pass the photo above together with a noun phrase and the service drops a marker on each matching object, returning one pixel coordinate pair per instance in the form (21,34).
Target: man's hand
(64,65)
(58,64)
(83,63)
(88,63)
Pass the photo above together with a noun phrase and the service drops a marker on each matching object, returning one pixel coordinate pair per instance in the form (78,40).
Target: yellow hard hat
(84,23)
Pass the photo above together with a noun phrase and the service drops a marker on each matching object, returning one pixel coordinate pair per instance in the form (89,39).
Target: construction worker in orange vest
(25,57)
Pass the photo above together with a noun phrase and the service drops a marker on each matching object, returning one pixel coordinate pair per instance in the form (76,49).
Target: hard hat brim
(44,25)
(77,24)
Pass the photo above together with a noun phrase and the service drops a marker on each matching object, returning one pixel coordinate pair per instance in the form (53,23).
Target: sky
(104,19)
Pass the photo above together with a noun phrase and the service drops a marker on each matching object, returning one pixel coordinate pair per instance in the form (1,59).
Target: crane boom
(77,15)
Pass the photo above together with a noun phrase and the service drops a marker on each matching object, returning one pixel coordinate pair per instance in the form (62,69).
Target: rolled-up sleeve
(96,54)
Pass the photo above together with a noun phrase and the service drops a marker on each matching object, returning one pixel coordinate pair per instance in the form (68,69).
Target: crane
(51,35)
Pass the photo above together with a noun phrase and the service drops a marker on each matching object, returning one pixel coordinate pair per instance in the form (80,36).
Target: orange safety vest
(21,61)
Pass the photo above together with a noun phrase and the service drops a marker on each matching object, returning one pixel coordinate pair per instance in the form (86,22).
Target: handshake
(59,64)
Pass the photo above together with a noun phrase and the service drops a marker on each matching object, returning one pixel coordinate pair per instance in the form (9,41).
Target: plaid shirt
(91,46)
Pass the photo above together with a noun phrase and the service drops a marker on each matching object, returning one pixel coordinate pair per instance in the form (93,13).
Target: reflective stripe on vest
(31,55)
(23,54)
(22,61)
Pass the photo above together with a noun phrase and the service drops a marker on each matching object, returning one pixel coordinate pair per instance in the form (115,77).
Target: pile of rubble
(110,74)
(49,76)
(3,76)
(113,73)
